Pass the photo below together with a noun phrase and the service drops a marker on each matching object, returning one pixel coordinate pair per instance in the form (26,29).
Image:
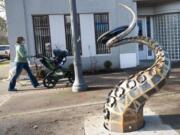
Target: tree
(2,5)
(2,20)
(3,25)
(3,31)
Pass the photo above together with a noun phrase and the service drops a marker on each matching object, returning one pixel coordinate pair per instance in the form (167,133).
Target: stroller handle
(35,56)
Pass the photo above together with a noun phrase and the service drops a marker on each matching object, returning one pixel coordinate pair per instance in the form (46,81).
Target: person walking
(21,63)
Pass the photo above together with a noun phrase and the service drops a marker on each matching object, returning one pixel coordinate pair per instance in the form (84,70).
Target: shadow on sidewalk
(161,122)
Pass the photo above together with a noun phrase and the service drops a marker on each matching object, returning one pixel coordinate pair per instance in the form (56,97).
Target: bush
(107,64)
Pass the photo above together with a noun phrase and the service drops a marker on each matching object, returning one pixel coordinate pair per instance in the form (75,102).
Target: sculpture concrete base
(153,126)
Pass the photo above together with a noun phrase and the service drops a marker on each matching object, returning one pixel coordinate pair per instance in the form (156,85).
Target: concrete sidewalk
(60,112)
(61,95)
(29,102)
(4,69)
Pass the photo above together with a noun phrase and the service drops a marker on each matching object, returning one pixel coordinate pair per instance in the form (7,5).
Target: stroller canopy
(60,54)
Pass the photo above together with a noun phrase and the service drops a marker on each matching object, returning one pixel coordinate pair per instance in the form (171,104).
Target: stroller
(56,71)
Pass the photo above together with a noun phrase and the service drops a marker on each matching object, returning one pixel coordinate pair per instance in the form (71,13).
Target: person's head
(20,40)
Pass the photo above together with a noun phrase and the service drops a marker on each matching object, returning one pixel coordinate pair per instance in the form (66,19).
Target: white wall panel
(57,31)
(87,35)
(128,60)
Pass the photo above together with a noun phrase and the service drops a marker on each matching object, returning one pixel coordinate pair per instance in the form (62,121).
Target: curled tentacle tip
(102,39)
(121,4)
(125,6)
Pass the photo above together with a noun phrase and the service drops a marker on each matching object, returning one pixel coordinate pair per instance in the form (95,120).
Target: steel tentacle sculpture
(123,111)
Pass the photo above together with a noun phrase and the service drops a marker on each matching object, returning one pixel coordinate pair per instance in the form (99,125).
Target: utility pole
(79,83)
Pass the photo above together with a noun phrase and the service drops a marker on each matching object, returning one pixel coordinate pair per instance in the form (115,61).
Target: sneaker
(36,85)
(12,90)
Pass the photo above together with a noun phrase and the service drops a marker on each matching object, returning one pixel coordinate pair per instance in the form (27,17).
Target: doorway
(145,29)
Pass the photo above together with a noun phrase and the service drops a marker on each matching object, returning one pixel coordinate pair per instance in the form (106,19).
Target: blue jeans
(19,67)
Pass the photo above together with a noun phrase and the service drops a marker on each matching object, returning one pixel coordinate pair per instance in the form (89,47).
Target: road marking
(153,126)
(51,109)
(4,99)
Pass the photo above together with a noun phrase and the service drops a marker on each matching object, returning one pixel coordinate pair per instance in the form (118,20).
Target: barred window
(167,33)
(42,35)
(101,22)
(148,25)
(68,34)
(140,33)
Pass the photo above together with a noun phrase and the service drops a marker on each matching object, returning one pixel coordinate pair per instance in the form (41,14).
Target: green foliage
(3,40)
(107,64)
(3,26)
(2,5)
(3,31)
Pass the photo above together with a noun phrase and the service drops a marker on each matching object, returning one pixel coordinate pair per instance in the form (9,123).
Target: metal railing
(101,23)
(42,35)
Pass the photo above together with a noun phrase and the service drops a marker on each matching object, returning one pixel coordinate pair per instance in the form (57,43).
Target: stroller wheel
(49,82)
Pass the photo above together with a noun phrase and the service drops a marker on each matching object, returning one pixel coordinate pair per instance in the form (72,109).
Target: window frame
(49,32)
(166,34)
(108,50)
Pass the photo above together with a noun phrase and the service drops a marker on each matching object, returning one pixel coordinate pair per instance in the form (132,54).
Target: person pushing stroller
(21,63)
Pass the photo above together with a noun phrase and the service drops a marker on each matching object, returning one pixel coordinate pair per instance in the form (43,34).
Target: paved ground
(2,59)
(4,67)
(61,112)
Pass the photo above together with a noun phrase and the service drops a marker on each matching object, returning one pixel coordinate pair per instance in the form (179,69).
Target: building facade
(161,21)
(46,25)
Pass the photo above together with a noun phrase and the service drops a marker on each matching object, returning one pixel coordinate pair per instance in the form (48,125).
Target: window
(144,25)
(140,33)
(148,24)
(166,29)
(101,22)
(42,35)
(68,34)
